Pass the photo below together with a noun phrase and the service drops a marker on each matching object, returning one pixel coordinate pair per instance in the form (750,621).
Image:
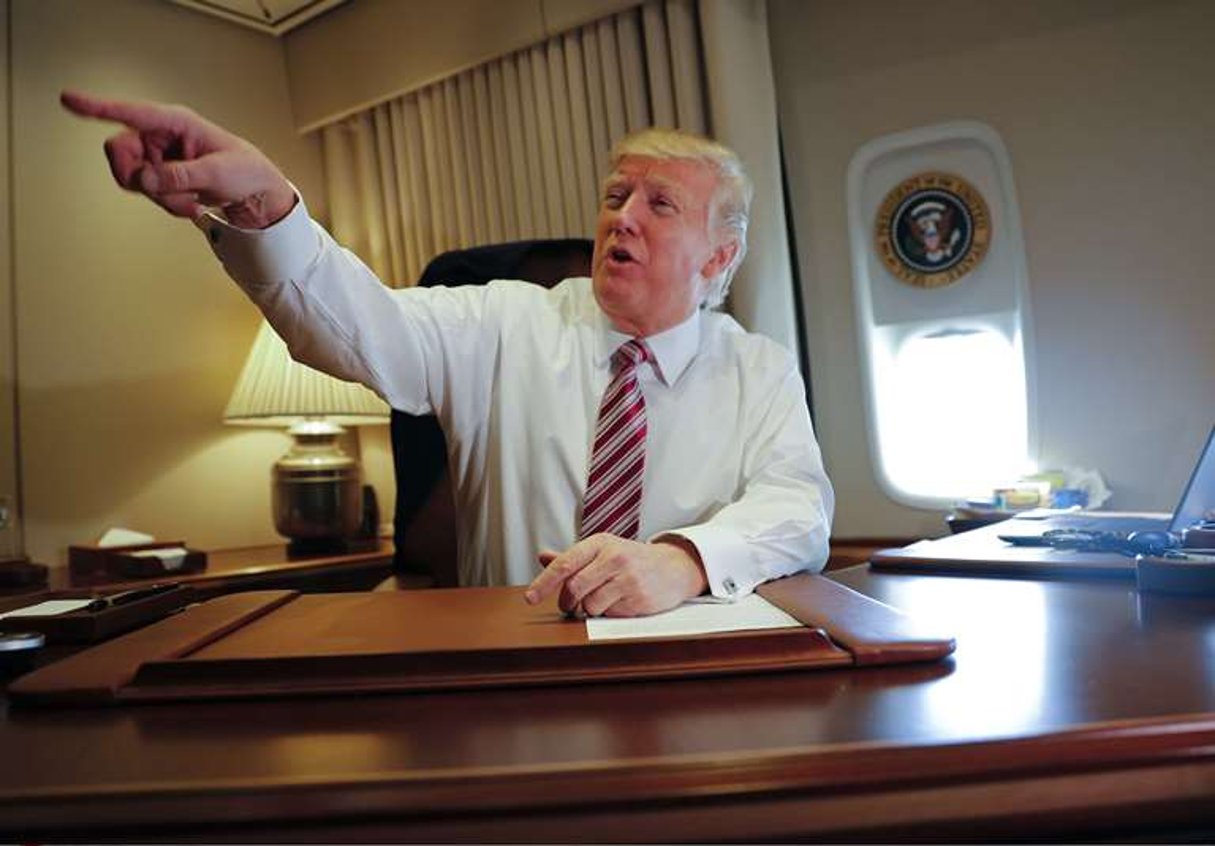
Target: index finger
(560,568)
(137,115)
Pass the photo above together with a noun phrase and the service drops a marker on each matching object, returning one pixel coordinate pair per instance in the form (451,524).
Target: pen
(127,596)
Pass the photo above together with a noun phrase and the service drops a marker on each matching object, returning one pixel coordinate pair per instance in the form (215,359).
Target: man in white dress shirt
(733,488)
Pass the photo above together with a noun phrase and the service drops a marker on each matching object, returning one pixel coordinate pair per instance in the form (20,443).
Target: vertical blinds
(511,149)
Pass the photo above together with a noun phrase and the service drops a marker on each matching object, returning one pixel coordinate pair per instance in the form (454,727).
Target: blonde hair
(731,205)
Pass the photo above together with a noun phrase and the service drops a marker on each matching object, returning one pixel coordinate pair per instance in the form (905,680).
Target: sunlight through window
(952,414)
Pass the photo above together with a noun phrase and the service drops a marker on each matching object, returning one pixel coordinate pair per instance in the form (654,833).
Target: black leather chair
(424,528)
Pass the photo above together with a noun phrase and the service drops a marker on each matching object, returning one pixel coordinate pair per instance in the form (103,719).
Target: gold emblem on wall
(932,229)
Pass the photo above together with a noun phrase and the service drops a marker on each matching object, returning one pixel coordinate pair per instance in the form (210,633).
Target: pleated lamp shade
(275,390)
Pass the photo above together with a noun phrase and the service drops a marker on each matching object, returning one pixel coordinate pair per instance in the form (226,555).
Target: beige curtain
(742,111)
(515,148)
(511,149)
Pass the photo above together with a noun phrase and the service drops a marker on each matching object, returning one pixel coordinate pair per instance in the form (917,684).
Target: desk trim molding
(1123,768)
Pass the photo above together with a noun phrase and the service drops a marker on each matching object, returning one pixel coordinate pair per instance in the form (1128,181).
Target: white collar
(673,348)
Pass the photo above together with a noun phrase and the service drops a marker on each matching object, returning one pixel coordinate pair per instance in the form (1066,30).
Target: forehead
(693,178)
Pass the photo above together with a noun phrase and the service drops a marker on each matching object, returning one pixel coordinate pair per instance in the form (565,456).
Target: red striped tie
(613,486)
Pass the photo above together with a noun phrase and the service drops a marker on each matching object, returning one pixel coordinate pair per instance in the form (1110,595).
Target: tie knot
(629,355)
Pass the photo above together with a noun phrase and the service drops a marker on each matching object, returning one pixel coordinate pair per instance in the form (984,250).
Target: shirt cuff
(725,556)
(255,257)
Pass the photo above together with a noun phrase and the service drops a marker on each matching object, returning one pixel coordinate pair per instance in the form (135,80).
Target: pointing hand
(184,163)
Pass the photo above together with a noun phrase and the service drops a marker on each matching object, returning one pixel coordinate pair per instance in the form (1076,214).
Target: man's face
(653,249)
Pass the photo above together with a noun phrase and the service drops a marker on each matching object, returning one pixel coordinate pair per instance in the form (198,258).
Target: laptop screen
(1198,501)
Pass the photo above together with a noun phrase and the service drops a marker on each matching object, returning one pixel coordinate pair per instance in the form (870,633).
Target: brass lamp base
(317,488)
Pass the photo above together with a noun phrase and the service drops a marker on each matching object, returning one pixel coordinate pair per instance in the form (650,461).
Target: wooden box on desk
(89,624)
(102,564)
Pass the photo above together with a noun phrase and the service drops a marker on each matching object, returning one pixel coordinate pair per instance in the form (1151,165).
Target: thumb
(560,566)
(247,185)
(175,177)
(181,205)
(158,182)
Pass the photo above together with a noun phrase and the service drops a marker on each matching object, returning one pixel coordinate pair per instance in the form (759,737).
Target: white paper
(49,608)
(693,618)
(123,537)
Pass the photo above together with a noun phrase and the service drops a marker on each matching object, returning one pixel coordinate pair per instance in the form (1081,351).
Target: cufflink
(210,225)
(729,586)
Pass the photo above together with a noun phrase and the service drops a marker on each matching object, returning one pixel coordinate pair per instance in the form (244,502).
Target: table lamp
(317,489)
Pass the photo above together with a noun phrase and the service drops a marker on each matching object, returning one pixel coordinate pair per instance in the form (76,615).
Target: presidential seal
(932,229)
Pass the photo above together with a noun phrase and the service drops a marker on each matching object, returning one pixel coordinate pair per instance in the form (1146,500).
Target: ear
(720,258)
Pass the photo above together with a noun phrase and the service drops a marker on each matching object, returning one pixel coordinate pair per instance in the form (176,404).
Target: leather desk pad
(280,643)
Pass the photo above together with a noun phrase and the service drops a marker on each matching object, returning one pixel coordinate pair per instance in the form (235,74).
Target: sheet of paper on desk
(693,618)
(49,608)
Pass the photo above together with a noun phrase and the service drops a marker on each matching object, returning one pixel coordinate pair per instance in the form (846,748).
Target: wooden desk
(1069,710)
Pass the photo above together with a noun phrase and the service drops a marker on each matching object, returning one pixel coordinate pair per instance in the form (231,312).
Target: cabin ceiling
(274,17)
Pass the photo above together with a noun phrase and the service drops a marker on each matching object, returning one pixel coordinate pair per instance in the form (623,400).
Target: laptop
(1197,506)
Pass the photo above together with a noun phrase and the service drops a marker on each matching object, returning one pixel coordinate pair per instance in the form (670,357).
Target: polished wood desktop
(1070,709)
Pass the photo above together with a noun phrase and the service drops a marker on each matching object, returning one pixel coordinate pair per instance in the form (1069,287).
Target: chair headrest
(545,262)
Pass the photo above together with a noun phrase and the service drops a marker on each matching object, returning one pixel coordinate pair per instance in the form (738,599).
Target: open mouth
(619,255)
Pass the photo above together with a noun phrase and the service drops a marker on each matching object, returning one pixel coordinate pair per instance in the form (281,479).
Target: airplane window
(951,416)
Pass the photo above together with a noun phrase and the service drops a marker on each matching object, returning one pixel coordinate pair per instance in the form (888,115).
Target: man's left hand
(605,575)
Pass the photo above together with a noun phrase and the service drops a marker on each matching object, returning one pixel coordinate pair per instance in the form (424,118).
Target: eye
(614,198)
(663,205)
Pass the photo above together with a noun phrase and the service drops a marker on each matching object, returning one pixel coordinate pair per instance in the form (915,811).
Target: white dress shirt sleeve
(781,523)
(337,316)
